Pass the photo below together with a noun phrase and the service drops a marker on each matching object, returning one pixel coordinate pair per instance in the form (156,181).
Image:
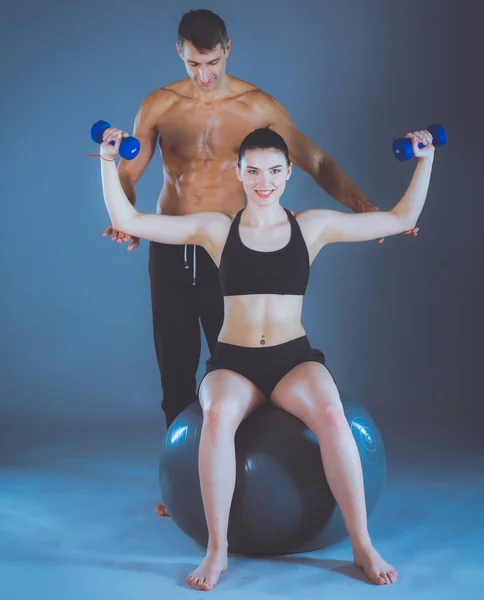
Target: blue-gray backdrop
(400,323)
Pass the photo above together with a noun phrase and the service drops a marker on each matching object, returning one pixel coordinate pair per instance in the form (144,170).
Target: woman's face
(263,174)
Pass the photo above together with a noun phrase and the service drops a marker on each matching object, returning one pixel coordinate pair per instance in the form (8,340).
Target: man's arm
(310,158)
(206,229)
(327,226)
(146,132)
(130,171)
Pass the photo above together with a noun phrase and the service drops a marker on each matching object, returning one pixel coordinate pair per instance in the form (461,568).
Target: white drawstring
(185,258)
(194,265)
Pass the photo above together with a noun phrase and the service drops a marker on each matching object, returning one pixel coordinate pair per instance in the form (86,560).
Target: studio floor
(77,522)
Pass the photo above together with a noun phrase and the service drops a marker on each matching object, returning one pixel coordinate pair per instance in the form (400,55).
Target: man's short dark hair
(264,139)
(203,29)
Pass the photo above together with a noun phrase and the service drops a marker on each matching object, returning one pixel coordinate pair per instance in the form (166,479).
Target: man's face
(205,69)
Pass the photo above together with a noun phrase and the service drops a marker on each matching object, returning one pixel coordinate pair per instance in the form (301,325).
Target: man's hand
(119,237)
(413,232)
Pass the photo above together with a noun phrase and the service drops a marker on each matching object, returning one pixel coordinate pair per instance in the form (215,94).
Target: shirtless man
(199,123)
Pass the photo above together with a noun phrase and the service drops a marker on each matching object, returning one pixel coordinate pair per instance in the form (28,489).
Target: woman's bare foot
(377,570)
(161,510)
(206,576)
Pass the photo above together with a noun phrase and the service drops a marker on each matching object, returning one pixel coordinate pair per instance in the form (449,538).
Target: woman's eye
(276,171)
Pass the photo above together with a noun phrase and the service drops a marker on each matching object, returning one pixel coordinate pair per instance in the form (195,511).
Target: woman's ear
(289,171)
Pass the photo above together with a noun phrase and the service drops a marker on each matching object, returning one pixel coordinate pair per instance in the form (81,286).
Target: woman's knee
(323,407)
(219,413)
(227,399)
(329,417)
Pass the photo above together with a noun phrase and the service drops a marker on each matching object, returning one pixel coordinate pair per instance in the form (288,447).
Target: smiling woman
(260,168)
(264,252)
(199,122)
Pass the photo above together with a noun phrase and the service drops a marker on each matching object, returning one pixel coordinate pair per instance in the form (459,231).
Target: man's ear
(227,47)
(179,49)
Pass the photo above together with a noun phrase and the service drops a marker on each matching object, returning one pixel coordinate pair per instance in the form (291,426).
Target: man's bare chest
(207,133)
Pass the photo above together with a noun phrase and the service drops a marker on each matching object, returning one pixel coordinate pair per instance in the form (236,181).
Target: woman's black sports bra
(246,271)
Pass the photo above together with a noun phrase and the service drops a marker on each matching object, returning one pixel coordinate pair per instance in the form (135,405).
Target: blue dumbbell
(402,148)
(129,147)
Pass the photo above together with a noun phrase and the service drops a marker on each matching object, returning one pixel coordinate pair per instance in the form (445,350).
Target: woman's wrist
(107,158)
(429,159)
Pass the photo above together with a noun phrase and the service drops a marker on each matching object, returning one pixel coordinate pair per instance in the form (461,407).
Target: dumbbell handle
(129,147)
(402,148)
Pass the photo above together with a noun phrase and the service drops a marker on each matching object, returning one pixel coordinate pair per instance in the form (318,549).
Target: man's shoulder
(165,96)
(240,87)
(180,88)
(251,94)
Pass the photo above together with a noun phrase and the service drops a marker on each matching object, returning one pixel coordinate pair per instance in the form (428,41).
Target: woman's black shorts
(264,366)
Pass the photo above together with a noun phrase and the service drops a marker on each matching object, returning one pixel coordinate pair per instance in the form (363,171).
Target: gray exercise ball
(282,503)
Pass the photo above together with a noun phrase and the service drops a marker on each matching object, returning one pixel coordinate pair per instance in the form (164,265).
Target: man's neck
(209,97)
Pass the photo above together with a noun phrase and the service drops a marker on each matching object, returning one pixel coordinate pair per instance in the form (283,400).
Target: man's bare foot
(161,510)
(206,576)
(377,570)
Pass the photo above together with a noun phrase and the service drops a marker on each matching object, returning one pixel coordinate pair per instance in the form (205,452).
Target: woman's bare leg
(226,399)
(309,393)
